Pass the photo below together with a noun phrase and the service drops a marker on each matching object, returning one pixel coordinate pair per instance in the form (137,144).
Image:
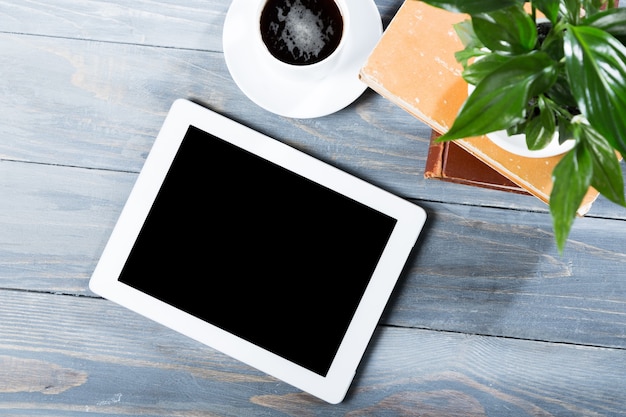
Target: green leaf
(595,63)
(612,21)
(465,32)
(500,100)
(482,67)
(540,129)
(571,180)
(473,45)
(561,93)
(592,6)
(607,172)
(566,130)
(550,8)
(510,30)
(570,9)
(553,43)
(472,6)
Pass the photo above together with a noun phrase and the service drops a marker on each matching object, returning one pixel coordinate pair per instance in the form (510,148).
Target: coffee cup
(302,39)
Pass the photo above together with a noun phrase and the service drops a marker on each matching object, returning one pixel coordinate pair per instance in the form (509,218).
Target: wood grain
(67,214)
(194,24)
(503,277)
(113,104)
(487,320)
(88,355)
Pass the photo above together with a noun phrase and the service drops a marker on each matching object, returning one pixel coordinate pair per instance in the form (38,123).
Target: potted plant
(564,73)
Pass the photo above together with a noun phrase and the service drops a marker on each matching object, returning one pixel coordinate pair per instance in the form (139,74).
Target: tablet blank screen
(257,250)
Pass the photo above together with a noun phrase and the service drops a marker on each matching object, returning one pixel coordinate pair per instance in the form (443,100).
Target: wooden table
(487,319)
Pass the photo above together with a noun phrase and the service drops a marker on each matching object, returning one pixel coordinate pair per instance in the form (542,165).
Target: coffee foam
(304,33)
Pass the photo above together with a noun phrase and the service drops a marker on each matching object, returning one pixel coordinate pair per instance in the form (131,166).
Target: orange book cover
(413,65)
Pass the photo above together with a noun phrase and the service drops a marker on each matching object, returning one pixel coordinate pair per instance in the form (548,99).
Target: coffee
(301,32)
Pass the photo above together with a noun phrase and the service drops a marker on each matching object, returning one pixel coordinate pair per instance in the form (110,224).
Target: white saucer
(299,99)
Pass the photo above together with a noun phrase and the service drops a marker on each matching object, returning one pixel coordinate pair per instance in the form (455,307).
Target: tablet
(257,250)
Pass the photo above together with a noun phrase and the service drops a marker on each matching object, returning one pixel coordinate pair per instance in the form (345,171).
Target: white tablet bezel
(410,220)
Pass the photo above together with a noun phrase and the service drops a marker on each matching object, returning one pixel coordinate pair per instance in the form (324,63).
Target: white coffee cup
(301,39)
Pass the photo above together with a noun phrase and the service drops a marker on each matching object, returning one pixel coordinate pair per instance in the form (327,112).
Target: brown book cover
(447,161)
(413,65)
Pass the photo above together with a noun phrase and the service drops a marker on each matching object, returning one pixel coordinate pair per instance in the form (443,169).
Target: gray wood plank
(117,101)
(194,24)
(496,272)
(115,98)
(67,356)
(478,270)
(55,222)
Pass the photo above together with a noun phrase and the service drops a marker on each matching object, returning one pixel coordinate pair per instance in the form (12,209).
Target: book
(413,65)
(447,161)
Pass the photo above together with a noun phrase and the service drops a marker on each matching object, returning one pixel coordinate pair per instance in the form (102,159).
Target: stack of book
(413,65)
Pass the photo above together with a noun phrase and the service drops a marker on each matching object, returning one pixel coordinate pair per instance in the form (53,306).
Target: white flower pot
(516,144)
